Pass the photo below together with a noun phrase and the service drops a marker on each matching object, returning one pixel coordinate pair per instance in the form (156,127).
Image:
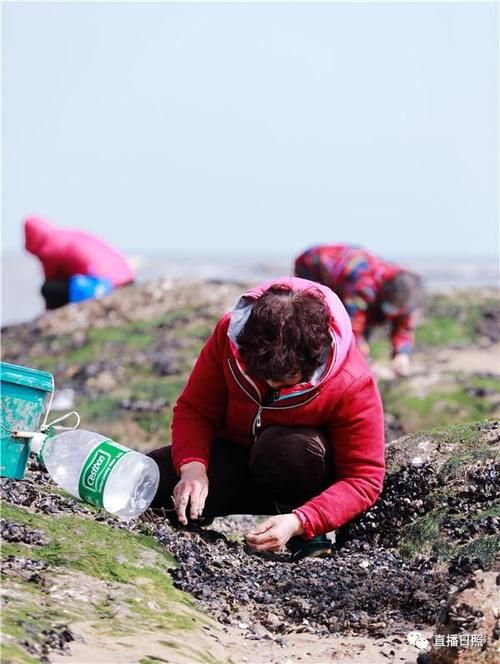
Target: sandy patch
(467,360)
(229,644)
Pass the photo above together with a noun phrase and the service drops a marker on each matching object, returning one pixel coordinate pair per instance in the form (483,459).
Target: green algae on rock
(440,497)
(112,578)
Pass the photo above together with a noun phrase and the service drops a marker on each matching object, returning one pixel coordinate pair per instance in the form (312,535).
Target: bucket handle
(45,427)
(47,410)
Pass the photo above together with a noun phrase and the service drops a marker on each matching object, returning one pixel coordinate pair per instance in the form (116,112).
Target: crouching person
(280,416)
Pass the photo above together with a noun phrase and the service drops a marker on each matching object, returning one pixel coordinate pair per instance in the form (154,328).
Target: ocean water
(21,274)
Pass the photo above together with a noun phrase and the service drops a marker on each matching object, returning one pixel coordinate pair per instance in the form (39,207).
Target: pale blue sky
(254,127)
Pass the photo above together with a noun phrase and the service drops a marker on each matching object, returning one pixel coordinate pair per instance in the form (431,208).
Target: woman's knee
(292,463)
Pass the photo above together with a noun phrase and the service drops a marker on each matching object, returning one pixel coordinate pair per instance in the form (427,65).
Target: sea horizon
(22,274)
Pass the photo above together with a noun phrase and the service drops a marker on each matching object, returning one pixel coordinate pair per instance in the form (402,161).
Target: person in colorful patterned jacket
(374,292)
(281,416)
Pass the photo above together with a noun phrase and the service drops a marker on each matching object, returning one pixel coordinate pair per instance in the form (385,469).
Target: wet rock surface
(10,531)
(24,568)
(435,527)
(35,492)
(489,323)
(477,316)
(41,642)
(468,628)
(361,589)
(68,326)
(393,429)
(366,587)
(417,490)
(144,405)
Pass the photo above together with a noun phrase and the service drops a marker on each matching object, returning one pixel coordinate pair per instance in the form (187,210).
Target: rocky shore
(424,560)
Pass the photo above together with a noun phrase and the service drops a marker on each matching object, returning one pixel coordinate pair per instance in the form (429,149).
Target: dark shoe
(317,547)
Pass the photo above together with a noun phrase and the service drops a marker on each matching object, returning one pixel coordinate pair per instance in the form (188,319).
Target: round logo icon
(418,640)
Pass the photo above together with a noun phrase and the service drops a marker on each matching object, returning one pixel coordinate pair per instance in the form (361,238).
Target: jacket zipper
(257,421)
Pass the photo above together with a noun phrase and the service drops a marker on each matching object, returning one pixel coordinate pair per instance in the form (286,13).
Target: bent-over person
(280,416)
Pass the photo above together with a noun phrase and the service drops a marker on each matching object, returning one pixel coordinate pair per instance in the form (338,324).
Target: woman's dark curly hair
(285,334)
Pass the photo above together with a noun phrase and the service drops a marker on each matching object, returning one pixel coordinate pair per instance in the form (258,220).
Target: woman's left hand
(273,533)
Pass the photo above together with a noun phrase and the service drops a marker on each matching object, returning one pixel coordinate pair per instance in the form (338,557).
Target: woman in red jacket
(280,416)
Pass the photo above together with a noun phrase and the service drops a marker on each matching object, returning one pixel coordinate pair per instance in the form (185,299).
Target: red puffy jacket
(220,399)
(64,253)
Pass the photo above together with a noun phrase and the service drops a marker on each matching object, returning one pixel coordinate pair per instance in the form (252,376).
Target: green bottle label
(96,470)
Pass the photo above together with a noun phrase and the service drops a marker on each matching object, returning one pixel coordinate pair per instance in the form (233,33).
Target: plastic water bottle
(98,470)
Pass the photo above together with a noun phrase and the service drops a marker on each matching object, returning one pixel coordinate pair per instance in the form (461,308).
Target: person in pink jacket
(280,416)
(64,254)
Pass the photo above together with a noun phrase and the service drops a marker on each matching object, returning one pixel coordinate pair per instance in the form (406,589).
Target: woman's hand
(401,364)
(192,490)
(274,533)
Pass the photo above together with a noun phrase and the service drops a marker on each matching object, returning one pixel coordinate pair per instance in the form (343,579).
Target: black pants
(283,469)
(55,293)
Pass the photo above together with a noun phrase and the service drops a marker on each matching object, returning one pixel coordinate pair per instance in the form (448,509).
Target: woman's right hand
(192,490)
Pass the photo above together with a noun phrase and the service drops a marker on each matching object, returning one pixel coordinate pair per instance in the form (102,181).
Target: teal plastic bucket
(24,396)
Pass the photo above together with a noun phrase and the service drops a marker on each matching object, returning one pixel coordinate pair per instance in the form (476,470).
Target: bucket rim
(26,376)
